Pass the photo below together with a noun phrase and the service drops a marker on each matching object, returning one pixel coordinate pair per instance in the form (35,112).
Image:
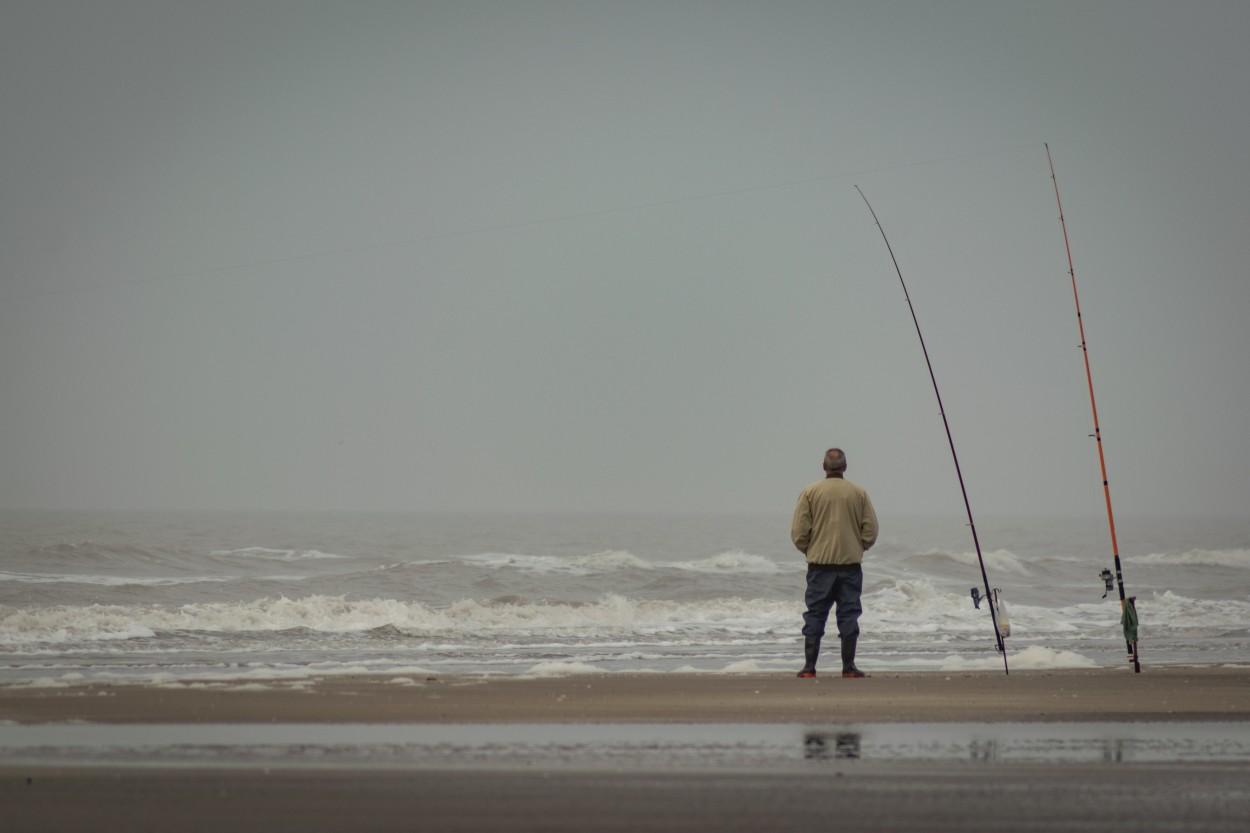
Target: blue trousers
(836,589)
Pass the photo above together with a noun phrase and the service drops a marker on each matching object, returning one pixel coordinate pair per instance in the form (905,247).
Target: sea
(184,598)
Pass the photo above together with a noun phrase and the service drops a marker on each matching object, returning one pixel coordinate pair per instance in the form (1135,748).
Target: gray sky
(609,256)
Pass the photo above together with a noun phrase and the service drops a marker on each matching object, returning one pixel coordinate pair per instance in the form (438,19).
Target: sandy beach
(689,795)
(1163,693)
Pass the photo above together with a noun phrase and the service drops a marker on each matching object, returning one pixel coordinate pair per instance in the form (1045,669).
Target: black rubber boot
(811,650)
(848,657)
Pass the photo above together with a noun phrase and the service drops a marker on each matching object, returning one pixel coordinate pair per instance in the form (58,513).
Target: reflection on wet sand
(844,746)
(1010,743)
(612,745)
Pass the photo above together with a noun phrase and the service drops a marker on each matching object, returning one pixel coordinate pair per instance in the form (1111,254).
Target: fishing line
(991,596)
(1128,607)
(451,235)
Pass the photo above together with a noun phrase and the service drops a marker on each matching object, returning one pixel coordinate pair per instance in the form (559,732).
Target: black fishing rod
(1128,608)
(991,596)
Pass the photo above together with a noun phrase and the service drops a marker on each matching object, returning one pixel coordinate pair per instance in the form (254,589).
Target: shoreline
(1164,693)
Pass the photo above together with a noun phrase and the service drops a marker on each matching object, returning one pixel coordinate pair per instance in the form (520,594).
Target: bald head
(835,462)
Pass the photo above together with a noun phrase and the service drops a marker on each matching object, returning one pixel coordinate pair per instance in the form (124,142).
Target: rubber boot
(848,657)
(811,650)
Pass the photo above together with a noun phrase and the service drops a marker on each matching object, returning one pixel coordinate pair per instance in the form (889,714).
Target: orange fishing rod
(1128,610)
(990,595)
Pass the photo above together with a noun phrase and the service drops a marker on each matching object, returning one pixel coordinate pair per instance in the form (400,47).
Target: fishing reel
(976,597)
(1105,575)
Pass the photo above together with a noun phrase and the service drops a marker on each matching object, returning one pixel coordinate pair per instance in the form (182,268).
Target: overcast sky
(595,256)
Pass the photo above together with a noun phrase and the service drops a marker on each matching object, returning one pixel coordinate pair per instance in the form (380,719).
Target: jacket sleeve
(801,525)
(868,525)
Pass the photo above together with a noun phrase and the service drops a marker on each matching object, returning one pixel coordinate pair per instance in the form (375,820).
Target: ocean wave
(917,606)
(610,561)
(598,562)
(1239,559)
(90,557)
(96,623)
(612,611)
(94,549)
(735,561)
(1175,611)
(1000,560)
(335,614)
(278,554)
(108,581)
(912,607)
(897,609)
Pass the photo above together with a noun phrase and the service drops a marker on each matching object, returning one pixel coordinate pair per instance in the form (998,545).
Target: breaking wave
(1239,559)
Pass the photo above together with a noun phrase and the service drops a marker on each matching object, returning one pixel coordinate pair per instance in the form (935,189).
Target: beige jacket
(834,522)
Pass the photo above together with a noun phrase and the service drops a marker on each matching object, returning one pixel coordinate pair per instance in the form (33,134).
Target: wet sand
(1165,693)
(969,798)
(681,795)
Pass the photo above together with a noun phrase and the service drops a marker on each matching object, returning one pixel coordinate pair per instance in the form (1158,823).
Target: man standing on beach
(834,524)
